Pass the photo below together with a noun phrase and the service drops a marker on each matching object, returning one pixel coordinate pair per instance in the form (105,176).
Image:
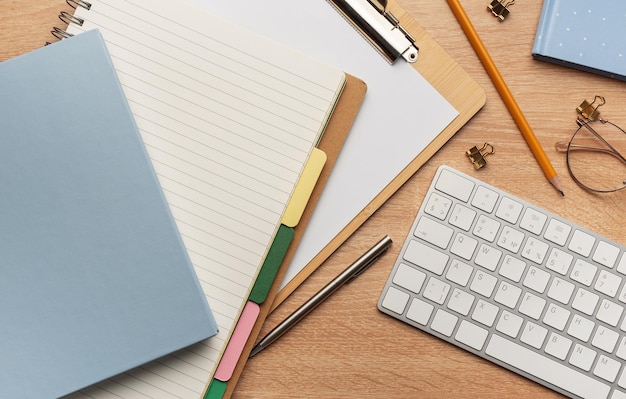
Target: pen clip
(382,247)
(364,268)
(380,27)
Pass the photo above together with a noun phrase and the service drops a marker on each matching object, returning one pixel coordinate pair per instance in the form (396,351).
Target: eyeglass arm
(562,146)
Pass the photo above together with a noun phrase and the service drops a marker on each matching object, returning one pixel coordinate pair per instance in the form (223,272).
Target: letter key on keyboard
(516,285)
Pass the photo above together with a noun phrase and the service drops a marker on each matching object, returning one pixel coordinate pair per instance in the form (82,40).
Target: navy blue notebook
(582,34)
(95,277)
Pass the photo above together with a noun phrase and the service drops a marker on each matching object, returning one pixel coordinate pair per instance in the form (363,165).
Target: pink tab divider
(237,341)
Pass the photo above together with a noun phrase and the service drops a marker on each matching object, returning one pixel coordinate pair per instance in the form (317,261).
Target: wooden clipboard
(331,143)
(453,83)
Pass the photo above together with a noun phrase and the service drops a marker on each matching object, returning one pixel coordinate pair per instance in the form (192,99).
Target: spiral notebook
(229,119)
(95,277)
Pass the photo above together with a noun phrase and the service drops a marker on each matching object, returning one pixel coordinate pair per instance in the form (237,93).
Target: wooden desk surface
(346,348)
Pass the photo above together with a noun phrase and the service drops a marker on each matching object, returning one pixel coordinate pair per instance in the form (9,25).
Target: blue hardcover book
(582,34)
(95,279)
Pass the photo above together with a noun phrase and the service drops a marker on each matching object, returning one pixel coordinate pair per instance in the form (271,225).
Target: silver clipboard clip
(379,27)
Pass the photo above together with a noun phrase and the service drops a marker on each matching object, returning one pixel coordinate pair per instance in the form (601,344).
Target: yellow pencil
(505,93)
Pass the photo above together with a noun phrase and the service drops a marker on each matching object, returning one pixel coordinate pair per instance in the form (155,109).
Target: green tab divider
(216,390)
(270,267)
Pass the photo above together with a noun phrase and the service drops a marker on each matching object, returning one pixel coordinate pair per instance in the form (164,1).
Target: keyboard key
(509,324)
(483,283)
(486,228)
(558,346)
(460,301)
(533,335)
(621,350)
(622,380)
(395,300)
(508,294)
(535,250)
(409,277)
(606,254)
(583,272)
(510,239)
(618,395)
(608,283)
(488,257)
(561,290)
(559,261)
(436,290)
(454,185)
(462,217)
(546,369)
(459,272)
(536,279)
(509,210)
(513,268)
(609,312)
(485,313)
(485,199)
(622,294)
(532,305)
(621,266)
(557,232)
(533,221)
(581,328)
(420,311)
(444,322)
(556,316)
(433,232)
(607,368)
(582,357)
(438,206)
(471,335)
(605,339)
(585,301)
(426,257)
(463,246)
(581,243)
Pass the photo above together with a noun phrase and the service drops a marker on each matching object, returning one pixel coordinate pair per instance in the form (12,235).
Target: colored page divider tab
(237,341)
(272,263)
(304,187)
(216,390)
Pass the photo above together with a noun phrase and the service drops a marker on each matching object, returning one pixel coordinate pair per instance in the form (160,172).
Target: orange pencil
(505,94)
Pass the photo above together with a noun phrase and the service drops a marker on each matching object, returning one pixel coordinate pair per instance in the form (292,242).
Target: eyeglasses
(595,156)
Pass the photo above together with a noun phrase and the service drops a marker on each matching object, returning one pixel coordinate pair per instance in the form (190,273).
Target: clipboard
(331,143)
(453,83)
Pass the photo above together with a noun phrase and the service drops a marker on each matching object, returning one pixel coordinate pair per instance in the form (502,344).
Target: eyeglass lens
(596,156)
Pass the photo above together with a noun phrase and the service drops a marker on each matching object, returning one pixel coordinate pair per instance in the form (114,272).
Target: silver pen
(352,271)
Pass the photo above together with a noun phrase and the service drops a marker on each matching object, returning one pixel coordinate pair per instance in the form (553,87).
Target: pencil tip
(557,184)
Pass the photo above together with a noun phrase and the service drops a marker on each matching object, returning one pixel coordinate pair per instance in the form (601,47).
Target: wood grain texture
(346,348)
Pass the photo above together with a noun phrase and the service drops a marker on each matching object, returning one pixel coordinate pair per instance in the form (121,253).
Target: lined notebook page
(229,120)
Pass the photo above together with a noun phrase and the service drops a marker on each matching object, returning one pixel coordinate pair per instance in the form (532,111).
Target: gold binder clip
(477,156)
(588,110)
(500,8)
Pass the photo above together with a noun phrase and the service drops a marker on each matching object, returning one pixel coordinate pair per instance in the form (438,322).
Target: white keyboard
(516,285)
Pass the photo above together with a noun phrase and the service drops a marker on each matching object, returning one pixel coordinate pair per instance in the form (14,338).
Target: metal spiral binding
(59,34)
(78,3)
(69,18)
